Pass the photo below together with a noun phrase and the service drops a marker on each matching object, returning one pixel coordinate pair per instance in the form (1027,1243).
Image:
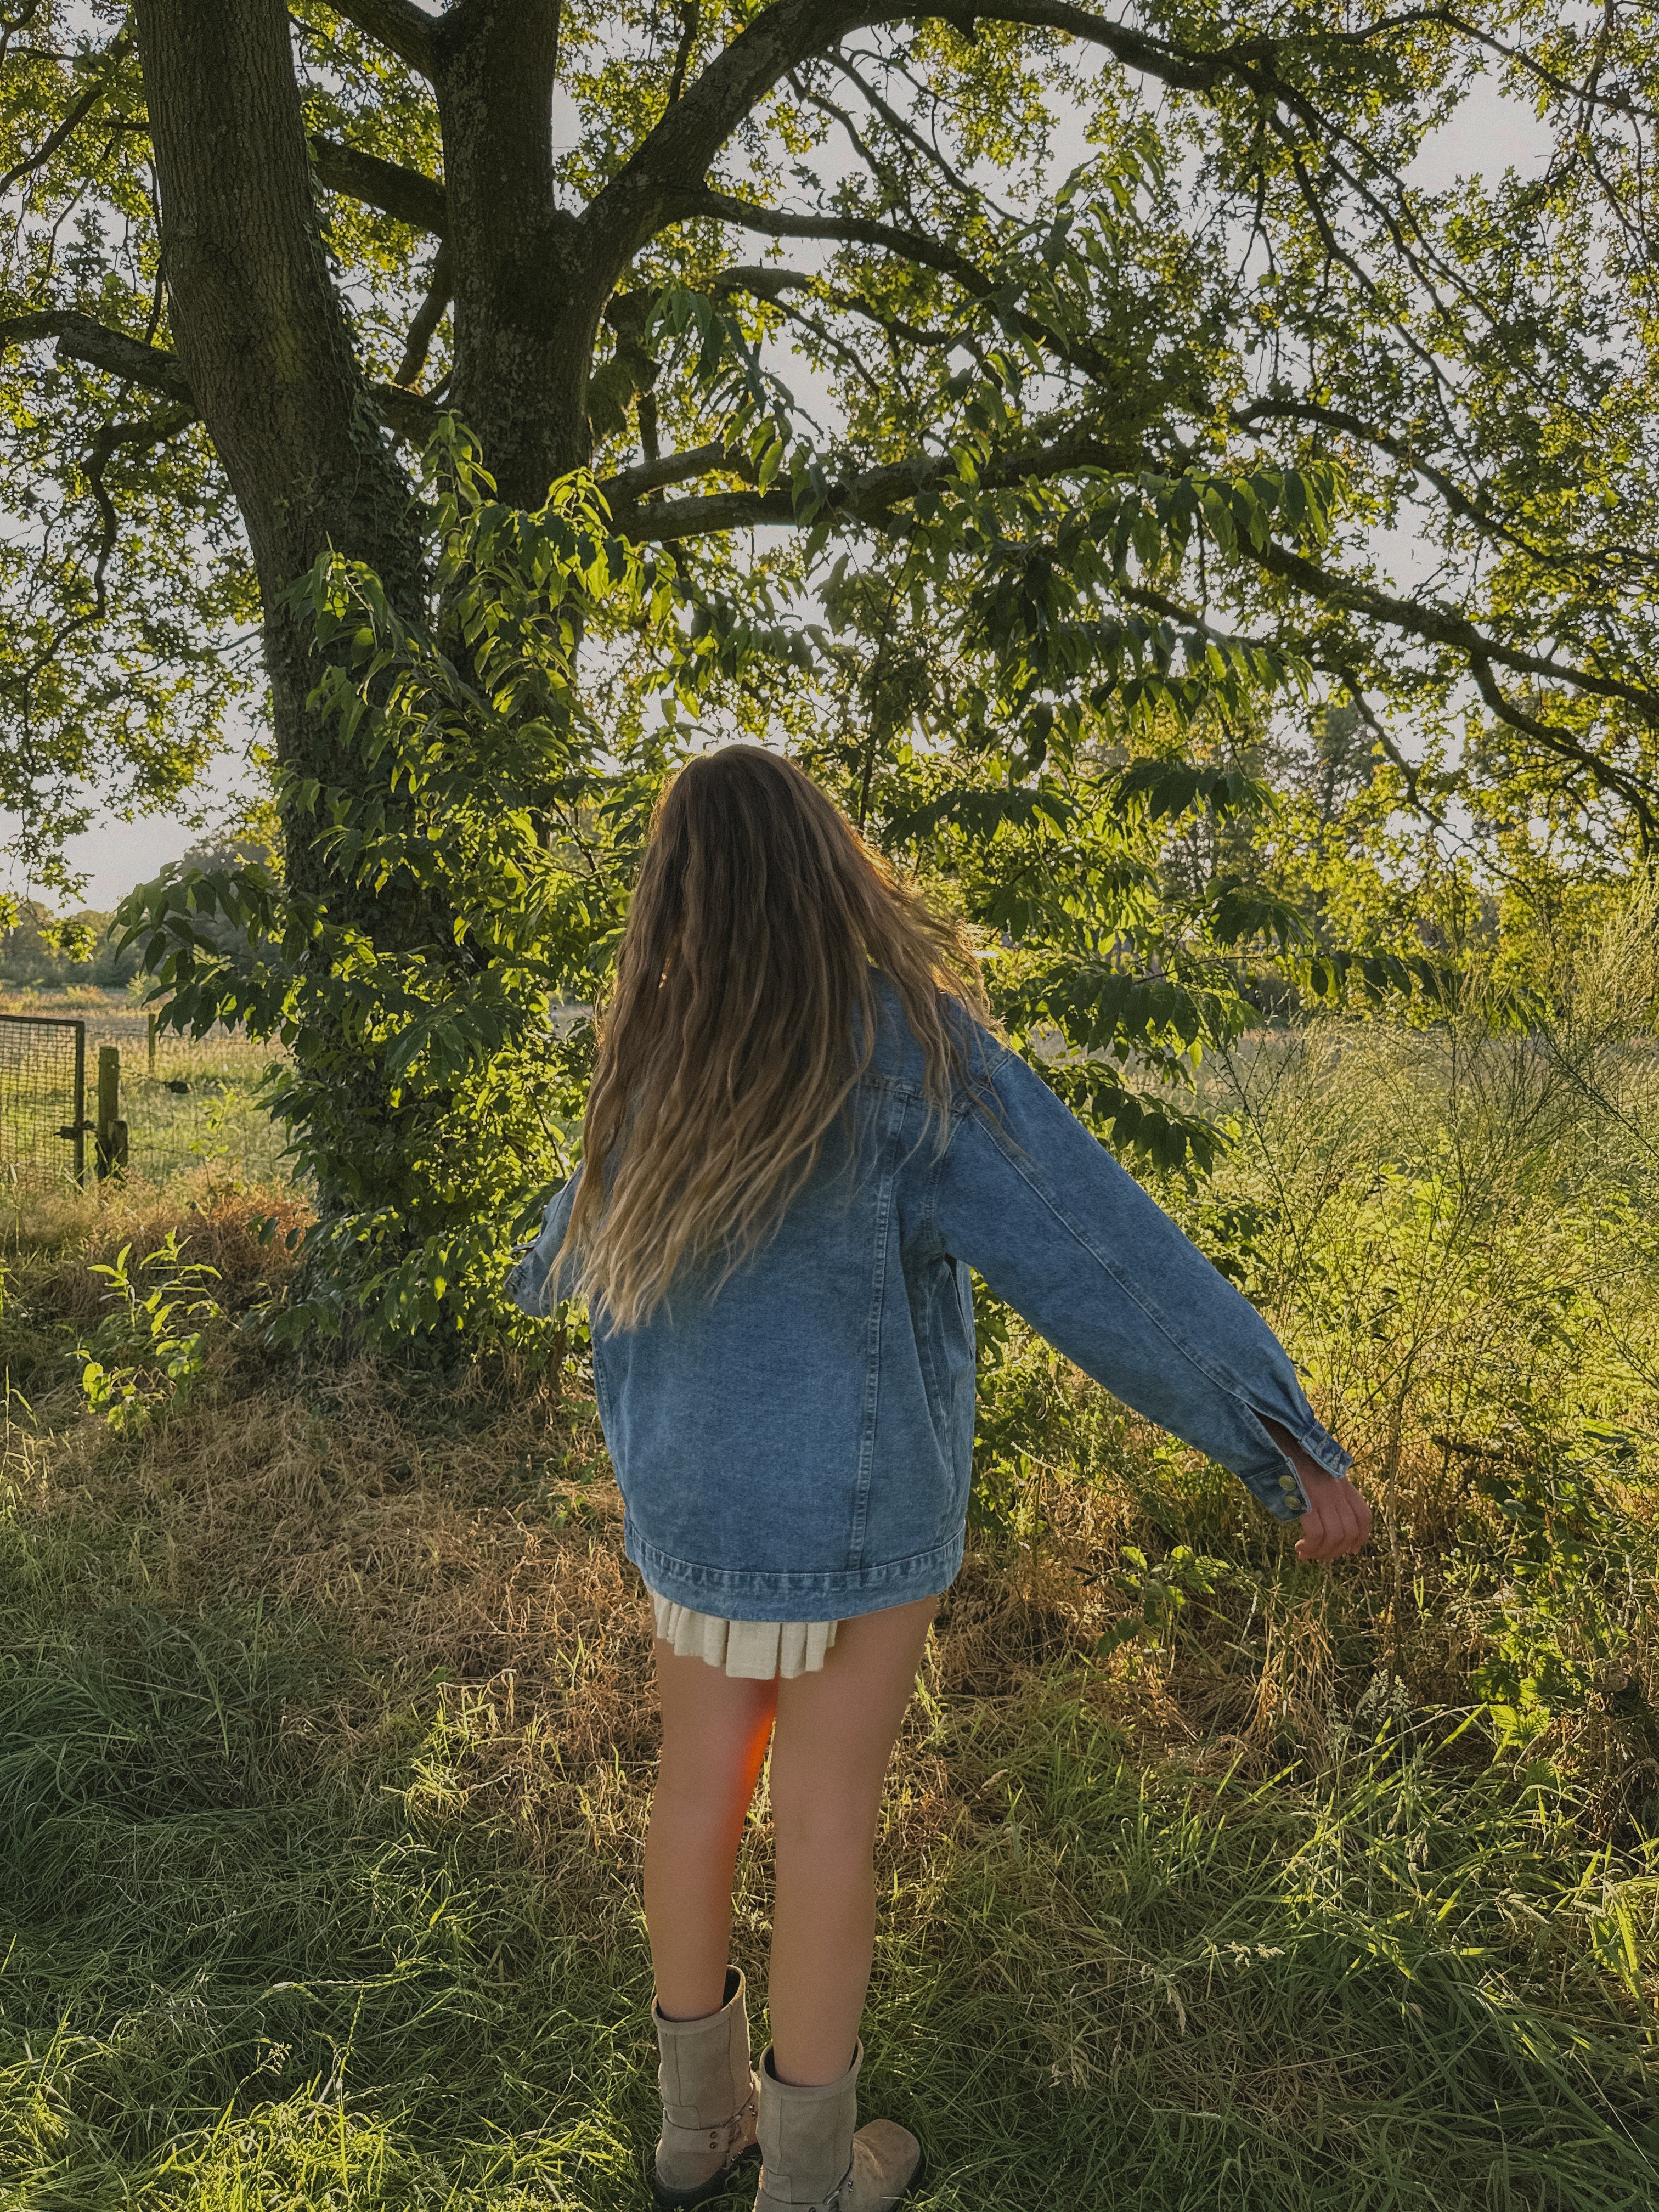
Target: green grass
(243,1976)
(218,1122)
(189,1103)
(292,1923)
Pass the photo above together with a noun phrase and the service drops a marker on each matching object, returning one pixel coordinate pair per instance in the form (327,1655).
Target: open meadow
(327,1729)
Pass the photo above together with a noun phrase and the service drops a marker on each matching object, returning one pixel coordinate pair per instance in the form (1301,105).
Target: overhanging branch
(1605,773)
(1398,449)
(676,153)
(870,497)
(848,230)
(686,139)
(1437,625)
(404,194)
(908,245)
(398,25)
(1556,740)
(630,484)
(80,339)
(867,497)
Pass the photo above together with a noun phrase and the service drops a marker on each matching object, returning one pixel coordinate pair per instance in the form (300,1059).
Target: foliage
(1558,1634)
(148,1355)
(429,1085)
(1453,1233)
(126,581)
(434,1072)
(44,951)
(1066,546)
(1150,291)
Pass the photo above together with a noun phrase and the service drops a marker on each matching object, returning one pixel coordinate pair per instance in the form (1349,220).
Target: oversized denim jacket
(796,1442)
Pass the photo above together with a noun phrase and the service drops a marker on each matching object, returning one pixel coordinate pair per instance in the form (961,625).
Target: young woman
(799,1139)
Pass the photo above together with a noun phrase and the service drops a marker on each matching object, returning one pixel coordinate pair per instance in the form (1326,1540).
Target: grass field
(326,1737)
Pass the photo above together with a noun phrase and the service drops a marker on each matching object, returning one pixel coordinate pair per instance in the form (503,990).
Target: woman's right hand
(1338,1521)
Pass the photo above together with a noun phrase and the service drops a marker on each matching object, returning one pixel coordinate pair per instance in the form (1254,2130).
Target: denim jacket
(798,1442)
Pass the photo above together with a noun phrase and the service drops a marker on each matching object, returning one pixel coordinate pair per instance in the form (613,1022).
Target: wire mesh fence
(43,1066)
(187,1101)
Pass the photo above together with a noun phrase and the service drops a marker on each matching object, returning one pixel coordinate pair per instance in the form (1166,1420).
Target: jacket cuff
(1281,1491)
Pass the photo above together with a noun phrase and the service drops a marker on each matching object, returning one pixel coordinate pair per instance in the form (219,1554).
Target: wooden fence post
(111,1137)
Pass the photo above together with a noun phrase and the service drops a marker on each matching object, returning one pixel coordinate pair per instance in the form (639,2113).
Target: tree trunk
(259,329)
(526,301)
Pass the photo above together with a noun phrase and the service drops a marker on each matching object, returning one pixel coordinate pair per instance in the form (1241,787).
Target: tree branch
(398,25)
(866,497)
(903,130)
(764,283)
(1437,625)
(870,496)
(80,339)
(789,32)
(1549,735)
(1604,773)
(155,430)
(1177,66)
(411,415)
(1399,449)
(909,245)
(1588,94)
(848,230)
(630,484)
(676,153)
(404,194)
(427,316)
(690,12)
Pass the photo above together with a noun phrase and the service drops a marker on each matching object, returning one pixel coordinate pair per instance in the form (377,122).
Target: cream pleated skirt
(755,1651)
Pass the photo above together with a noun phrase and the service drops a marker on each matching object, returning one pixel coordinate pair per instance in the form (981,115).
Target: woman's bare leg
(835,1731)
(713,1739)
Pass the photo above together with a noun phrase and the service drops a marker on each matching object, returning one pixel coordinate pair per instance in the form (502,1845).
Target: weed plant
(327,1726)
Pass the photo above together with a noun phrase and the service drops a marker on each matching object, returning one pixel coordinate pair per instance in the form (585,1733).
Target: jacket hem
(742,1593)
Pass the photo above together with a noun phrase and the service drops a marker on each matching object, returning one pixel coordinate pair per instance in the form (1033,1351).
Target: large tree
(1017,408)
(254,250)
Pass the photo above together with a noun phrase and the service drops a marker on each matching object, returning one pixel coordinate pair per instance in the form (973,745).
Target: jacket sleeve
(1059,1231)
(531,1284)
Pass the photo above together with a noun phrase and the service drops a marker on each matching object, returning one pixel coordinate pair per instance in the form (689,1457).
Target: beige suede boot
(811,2160)
(709,2098)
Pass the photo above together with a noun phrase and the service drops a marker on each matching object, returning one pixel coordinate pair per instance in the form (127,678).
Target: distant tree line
(45,952)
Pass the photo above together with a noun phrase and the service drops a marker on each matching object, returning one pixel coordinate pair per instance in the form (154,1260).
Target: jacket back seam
(873,1339)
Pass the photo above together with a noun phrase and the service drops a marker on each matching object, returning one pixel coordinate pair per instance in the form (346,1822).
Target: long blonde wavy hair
(744,1012)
